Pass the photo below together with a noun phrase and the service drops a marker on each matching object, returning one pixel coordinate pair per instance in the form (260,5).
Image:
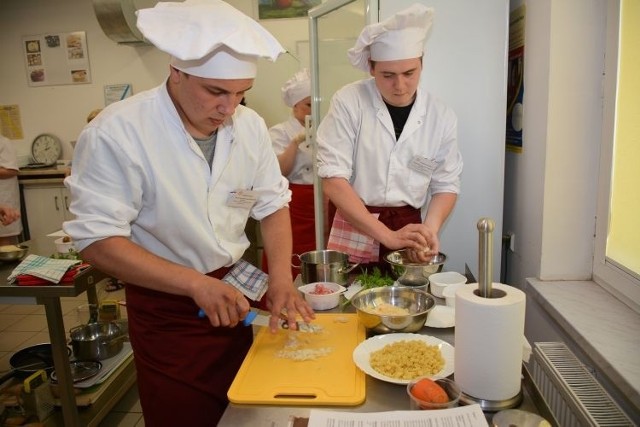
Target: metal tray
(81,370)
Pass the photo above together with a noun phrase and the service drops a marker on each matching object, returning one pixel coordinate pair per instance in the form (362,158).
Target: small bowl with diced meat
(322,295)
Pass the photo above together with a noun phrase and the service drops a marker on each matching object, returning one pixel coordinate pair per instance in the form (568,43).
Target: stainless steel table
(380,396)
(49,296)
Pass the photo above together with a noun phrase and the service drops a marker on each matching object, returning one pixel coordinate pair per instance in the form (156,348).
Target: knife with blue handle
(254,318)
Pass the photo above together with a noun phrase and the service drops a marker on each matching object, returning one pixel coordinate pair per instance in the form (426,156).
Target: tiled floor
(25,325)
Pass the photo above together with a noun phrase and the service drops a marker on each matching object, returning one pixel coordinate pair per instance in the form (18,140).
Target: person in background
(295,159)
(92,115)
(182,166)
(8,215)
(387,149)
(9,191)
(67,171)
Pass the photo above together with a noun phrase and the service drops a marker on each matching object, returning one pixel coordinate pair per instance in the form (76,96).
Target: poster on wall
(56,59)
(10,122)
(117,92)
(515,80)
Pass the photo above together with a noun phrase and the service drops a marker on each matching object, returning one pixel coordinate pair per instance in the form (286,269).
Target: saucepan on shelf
(97,341)
(29,360)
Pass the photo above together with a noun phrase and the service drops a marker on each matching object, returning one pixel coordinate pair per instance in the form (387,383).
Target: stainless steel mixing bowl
(410,273)
(371,303)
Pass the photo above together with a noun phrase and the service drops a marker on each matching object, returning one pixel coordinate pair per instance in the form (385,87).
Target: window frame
(606,273)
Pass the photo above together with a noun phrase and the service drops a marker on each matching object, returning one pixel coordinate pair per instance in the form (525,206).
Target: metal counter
(380,396)
(49,296)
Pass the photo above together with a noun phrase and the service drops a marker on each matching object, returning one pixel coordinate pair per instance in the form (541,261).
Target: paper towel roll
(488,342)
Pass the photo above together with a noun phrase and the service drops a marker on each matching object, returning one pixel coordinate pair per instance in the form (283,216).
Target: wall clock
(46,149)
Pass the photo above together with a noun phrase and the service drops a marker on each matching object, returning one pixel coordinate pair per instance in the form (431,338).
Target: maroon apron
(303,223)
(184,365)
(394,217)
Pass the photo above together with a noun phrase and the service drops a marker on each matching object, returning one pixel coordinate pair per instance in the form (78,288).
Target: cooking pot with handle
(325,266)
(29,360)
(97,341)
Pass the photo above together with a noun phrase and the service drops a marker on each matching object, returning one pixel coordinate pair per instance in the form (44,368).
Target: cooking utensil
(29,360)
(371,304)
(325,266)
(253,318)
(269,375)
(96,341)
(81,370)
(11,253)
(409,273)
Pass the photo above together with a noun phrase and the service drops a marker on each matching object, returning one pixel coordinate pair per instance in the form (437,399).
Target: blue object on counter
(246,321)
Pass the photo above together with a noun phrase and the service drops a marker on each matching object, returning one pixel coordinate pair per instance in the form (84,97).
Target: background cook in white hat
(388,147)
(179,170)
(295,158)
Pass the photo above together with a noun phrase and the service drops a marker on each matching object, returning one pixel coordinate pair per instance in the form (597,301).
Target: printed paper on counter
(462,416)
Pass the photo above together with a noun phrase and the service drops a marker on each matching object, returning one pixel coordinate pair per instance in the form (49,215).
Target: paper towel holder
(485,290)
(492,405)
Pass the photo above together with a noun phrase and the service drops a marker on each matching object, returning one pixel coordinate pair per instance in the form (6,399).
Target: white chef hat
(208,38)
(401,36)
(297,88)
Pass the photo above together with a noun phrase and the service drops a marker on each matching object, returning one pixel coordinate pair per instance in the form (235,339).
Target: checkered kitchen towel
(49,269)
(248,279)
(344,238)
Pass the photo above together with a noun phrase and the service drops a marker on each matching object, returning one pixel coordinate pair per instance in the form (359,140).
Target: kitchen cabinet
(47,207)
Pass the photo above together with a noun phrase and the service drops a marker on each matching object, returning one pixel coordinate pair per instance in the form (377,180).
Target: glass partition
(333,29)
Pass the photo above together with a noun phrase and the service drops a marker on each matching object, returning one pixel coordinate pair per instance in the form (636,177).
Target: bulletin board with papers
(56,59)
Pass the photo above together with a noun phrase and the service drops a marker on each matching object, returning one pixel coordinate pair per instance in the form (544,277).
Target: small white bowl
(449,294)
(64,247)
(439,281)
(319,300)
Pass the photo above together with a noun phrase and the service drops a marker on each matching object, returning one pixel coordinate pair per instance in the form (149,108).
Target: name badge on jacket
(242,199)
(423,165)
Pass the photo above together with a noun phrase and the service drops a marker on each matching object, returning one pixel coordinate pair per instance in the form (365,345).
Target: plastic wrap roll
(488,342)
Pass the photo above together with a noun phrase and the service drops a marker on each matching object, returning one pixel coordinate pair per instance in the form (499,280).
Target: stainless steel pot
(97,341)
(325,266)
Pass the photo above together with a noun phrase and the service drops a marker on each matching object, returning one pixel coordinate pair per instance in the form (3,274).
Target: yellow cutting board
(330,379)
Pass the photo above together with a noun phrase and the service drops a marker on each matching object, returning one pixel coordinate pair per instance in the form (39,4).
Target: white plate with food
(362,355)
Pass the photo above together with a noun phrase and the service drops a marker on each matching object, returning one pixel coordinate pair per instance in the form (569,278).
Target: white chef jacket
(9,188)
(356,141)
(137,173)
(281,136)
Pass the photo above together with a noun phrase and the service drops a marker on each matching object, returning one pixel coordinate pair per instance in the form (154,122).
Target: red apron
(303,223)
(184,365)
(395,218)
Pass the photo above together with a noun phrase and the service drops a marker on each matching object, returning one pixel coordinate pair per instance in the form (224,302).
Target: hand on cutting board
(223,304)
(284,298)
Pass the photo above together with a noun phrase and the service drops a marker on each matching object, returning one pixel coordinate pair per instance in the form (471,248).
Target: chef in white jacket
(295,158)
(162,185)
(387,149)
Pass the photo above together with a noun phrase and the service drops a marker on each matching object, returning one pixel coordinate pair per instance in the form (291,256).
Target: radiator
(569,390)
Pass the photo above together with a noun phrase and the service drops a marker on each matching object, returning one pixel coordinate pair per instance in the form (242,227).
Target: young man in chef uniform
(162,185)
(386,147)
